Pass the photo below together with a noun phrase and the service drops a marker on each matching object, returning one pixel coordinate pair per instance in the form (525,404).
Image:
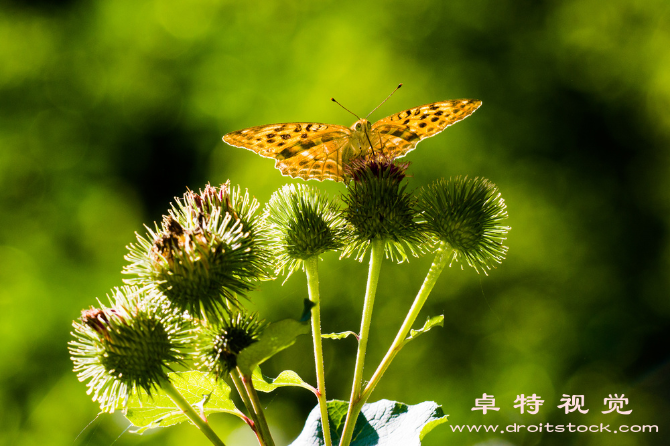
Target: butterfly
(311,150)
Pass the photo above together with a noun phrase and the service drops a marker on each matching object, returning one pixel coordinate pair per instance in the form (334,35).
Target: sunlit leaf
(201,390)
(430,323)
(341,335)
(275,338)
(287,378)
(384,423)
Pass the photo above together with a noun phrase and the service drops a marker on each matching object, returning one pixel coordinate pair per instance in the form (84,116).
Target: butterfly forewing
(272,141)
(302,149)
(401,132)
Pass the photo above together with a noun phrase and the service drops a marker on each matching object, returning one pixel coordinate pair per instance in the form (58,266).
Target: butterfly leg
(372,147)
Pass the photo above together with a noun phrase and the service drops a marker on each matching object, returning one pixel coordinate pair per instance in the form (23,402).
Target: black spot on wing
(406,135)
(404,114)
(289,152)
(293,150)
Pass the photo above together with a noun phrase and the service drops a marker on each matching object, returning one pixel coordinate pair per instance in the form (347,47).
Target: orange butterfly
(311,150)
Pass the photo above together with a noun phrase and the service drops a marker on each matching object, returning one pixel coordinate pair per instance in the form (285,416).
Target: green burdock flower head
(379,206)
(302,223)
(219,344)
(208,251)
(467,215)
(128,346)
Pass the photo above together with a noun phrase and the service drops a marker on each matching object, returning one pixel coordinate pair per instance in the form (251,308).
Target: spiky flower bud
(302,223)
(219,344)
(128,346)
(467,214)
(379,206)
(208,250)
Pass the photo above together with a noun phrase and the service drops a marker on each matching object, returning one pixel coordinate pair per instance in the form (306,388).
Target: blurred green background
(109,109)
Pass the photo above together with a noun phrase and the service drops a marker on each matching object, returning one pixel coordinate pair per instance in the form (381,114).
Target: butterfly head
(362,126)
(362,138)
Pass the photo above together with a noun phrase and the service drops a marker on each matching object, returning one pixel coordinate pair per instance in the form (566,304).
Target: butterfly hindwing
(322,161)
(401,132)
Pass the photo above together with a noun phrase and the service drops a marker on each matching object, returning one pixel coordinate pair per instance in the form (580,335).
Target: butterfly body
(321,151)
(362,140)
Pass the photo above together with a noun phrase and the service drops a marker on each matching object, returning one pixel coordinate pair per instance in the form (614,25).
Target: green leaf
(275,338)
(285,378)
(430,323)
(307,310)
(201,390)
(384,423)
(341,335)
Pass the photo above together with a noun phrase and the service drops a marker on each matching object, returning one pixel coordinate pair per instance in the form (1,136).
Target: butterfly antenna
(387,98)
(335,101)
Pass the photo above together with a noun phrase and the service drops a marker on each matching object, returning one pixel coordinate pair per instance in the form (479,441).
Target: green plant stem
(188,410)
(376,256)
(242,391)
(263,428)
(312,271)
(442,256)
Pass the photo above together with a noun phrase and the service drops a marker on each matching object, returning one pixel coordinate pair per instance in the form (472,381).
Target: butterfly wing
(401,132)
(307,150)
(321,162)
